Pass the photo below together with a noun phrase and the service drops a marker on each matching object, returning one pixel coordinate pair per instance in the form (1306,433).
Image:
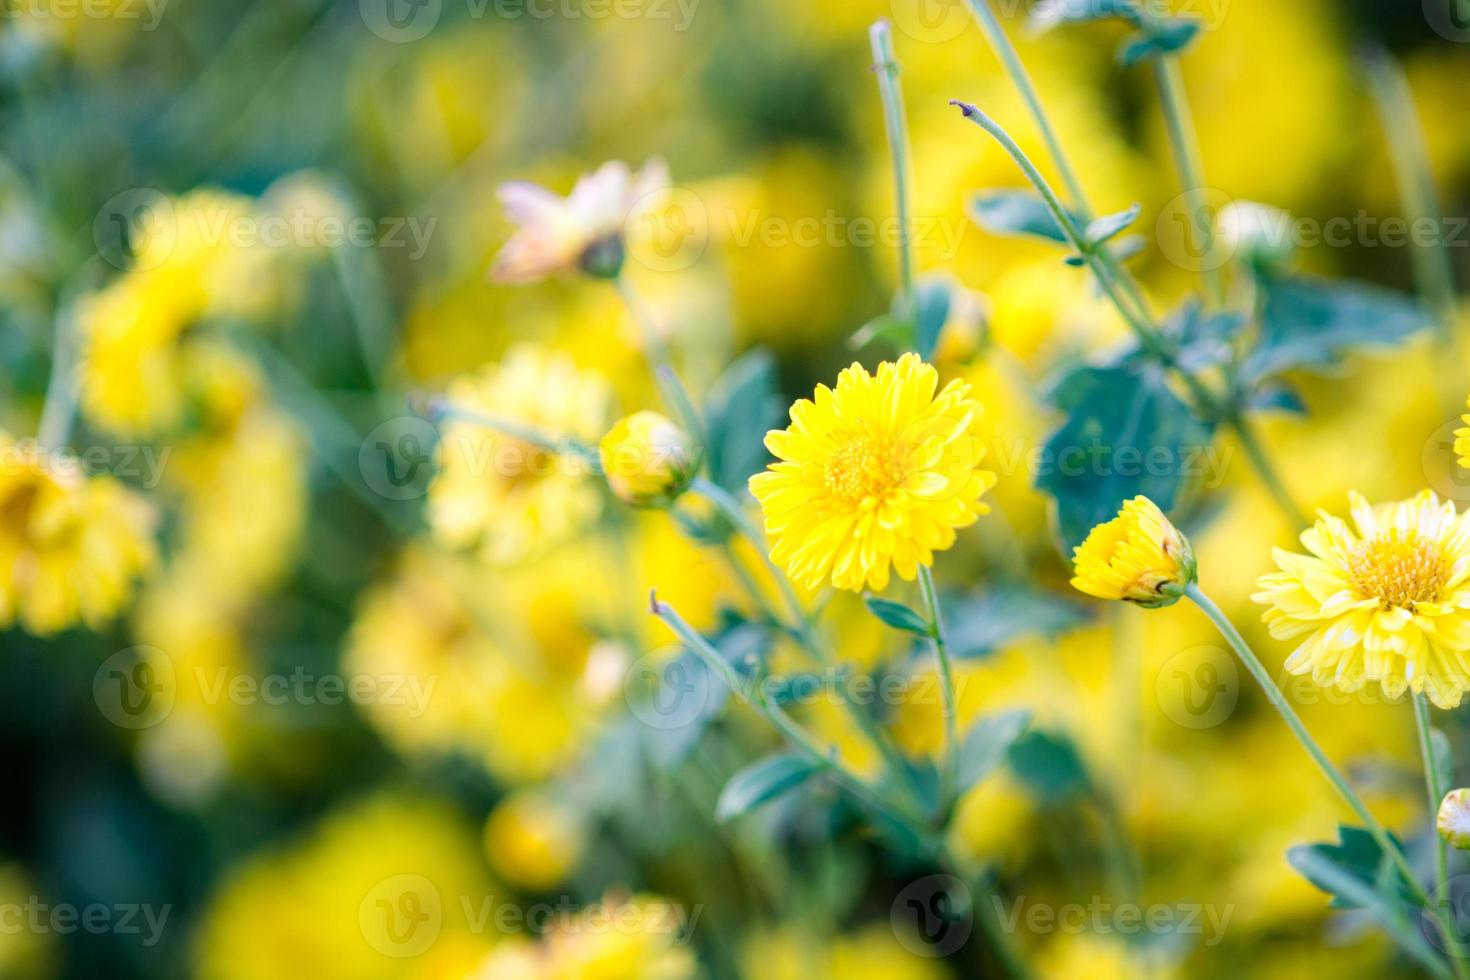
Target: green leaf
(1110,225)
(987,743)
(979,623)
(1126,434)
(1051,13)
(1313,323)
(933,300)
(895,330)
(761,782)
(1359,861)
(1165,35)
(897,615)
(1276,396)
(742,406)
(1203,339)
(1020,214)
(1049,766)
(1358,875)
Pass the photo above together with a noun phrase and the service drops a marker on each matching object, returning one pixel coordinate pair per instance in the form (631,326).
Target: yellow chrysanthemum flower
(1462,439)
(646,941)
(1138,557)
(879,471)
(507,496)
(533,841)
(71,546)
(1386,602)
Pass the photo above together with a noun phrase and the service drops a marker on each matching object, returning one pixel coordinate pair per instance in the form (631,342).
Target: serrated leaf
(897,615)
(1358,860)
(1312,323)
(742,406)
(987,743)
(1126,434)
(1324,866)
(1166,35)
(1051,13)
(761,782)
(933,300)
(1049,766)
(1203,339)
(1016,213)
(1110,225)
(979,623)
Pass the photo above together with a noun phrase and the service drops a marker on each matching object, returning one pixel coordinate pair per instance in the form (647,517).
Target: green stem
(949,769)
(1293,721)
(1006,51)
(654,348)
(1434,785)
(1433,269)
(1150,338)
(1255,451)
(1185,143)
(439,410)
(735,514)
(59,409)
(880,37)
(858,788)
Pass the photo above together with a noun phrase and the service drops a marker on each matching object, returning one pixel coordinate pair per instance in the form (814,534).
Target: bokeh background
(263,827)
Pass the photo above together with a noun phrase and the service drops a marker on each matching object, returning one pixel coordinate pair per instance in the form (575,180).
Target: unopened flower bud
(1256,234)
(1454,818)
(1138,557)
(647,459)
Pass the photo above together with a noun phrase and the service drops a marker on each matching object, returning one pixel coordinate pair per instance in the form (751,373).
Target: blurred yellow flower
(532,841)
(26,947)
(647,459)
(584,230)
(878,472)
(1462,440)
(1387,601)
(71,546)
(1138,557)
(644,937)
(382,888)
(507,495)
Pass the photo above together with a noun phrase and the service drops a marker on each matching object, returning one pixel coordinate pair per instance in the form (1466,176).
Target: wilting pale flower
(877,472)
(507,495)
(647,459)
(583,231)
(1138,557)
(71,546)
(1255,233)
(1385,600)
(1453,821)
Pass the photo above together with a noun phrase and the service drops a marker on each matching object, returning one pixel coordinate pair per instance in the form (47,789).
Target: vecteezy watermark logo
(401,21)
(1186,233)
(1454,894)
(930,21)
(135,688)
(933,916)
(396,459)
(147,12)
(35,917)
(1450,19)
(667,690)
(1198,687)
(128,220)
(401,916)
(1442,469)
(667,230)
(1100,916)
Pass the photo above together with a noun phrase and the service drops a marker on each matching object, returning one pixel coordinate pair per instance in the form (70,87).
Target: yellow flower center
(864,467)
(1399,569)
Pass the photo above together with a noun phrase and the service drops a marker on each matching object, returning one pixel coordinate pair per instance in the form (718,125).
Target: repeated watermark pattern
(406,21)
(37,917)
